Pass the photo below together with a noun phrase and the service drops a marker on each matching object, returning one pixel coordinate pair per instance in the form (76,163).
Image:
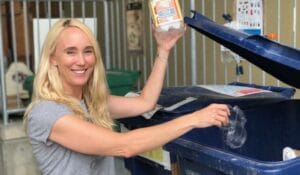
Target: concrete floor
(120,168)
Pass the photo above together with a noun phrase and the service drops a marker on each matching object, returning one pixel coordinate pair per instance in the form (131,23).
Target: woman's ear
(53,60)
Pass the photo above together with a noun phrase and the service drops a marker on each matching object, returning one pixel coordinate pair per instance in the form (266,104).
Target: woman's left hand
(167,39)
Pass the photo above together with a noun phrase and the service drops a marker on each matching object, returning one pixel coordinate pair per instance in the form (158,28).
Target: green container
(121,81)
(28,84)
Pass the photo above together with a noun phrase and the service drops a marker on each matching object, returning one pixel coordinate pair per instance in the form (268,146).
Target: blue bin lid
(279,60)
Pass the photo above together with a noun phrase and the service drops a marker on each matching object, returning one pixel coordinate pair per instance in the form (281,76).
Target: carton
(166,14)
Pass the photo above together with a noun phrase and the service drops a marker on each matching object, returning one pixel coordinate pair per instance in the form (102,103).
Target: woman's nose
(81,59)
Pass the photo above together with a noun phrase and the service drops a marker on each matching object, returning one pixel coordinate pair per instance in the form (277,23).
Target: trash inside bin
(121,81)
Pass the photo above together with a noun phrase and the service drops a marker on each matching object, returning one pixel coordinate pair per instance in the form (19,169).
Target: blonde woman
(69,121)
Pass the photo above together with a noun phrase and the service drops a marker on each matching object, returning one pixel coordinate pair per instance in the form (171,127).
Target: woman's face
(74,57)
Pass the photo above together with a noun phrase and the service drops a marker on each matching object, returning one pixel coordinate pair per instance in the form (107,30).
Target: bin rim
(218,159)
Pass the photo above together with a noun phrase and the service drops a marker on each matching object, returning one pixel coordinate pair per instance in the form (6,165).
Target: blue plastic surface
(273,123)
(279,60)
(141,166)
(270,128)
(284,91)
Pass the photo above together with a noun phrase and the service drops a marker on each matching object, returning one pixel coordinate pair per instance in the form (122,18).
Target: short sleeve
(42,118)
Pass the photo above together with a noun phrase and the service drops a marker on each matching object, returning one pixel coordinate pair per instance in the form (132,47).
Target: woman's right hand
(167,39)
(212,115)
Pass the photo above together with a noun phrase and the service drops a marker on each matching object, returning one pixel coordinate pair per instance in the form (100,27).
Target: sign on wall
(134,23)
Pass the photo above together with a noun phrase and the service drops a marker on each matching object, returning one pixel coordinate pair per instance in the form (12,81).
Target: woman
(69,121)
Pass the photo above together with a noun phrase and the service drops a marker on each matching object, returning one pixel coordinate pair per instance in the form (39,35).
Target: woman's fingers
(219,113)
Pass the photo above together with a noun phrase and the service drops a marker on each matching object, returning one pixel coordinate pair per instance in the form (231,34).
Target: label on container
(234,91)
(165,12)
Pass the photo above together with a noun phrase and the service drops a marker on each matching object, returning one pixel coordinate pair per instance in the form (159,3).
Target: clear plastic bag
(234,133)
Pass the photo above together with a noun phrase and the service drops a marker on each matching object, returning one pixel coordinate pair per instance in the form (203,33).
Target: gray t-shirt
(53,158)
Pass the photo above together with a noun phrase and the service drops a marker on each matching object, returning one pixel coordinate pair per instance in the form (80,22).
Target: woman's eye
(88,51)
(71,52)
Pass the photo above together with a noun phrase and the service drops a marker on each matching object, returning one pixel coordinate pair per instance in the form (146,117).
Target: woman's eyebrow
(89,47)
(73,48)
(70,48)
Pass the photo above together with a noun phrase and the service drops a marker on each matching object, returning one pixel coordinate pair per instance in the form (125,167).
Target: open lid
(279,60)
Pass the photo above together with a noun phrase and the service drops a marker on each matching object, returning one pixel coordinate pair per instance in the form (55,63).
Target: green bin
(121,81)
(28,84)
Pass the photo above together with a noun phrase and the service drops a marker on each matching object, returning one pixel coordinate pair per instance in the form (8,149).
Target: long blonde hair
(47,82)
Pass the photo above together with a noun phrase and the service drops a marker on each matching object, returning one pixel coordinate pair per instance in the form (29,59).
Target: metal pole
(278,26)
(214,48)
(26,34)
(204,48)
(37,58)
(183,50)
(72,8)
(295,23)
(193,50)
(225,63)
(112,19)
(83,11)
(14,41)
(95,18)
(2,67)
(144,50)
(125,36)
(49,14)
(61,9)
(107,33)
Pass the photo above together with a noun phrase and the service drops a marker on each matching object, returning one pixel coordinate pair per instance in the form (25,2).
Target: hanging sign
(249,16)
(134,27)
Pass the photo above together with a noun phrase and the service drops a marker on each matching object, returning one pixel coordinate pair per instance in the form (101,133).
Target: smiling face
(74,58)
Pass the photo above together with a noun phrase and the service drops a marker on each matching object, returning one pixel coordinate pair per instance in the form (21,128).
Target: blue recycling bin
(271,126)
(272,123)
